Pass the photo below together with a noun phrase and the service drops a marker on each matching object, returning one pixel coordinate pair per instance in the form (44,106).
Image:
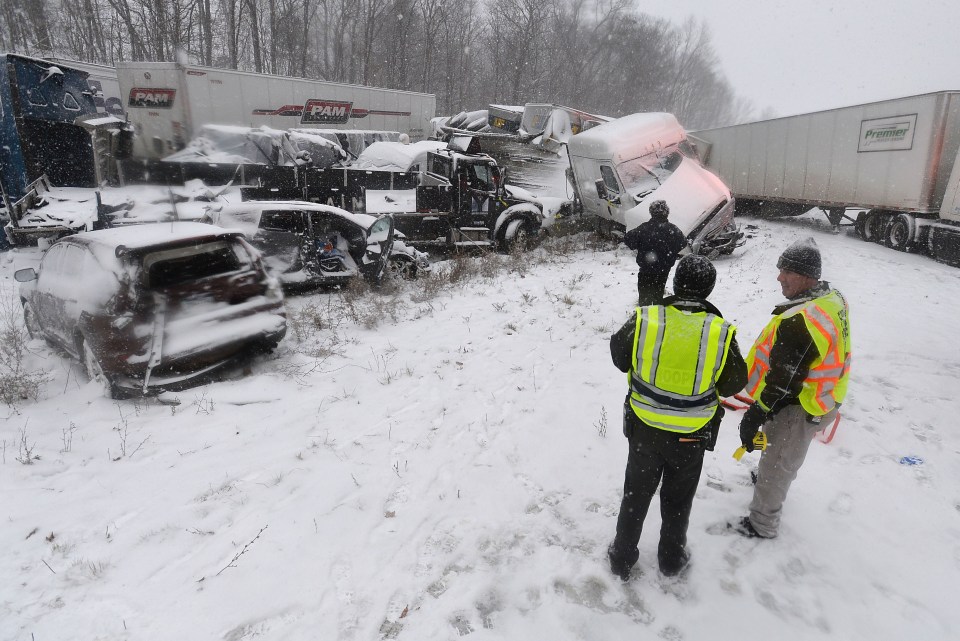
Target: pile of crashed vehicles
(162,306)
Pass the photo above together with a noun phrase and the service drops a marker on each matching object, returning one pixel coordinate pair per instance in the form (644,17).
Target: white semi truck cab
(620,167)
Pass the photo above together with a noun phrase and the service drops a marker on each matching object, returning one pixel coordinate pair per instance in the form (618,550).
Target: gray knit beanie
(802,257)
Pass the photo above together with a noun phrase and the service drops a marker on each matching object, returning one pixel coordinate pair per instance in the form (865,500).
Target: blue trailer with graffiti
(40,104)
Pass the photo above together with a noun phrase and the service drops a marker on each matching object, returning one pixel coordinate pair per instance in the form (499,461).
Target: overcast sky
(797,56)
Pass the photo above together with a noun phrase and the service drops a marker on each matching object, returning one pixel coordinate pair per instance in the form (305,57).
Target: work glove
(753,419)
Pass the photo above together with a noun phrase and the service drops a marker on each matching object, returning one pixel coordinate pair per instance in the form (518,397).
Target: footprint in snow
(842,504)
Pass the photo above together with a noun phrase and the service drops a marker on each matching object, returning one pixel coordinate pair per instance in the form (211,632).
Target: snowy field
(456,471)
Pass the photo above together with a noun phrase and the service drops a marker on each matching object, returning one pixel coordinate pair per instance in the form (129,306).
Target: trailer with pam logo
(168,103)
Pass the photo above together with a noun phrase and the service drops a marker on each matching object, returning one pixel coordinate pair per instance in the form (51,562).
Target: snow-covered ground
(457,472)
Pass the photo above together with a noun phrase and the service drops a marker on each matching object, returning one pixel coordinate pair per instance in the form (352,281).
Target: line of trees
(601,56)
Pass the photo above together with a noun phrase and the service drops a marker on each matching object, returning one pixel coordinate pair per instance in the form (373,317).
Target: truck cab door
(477,192)
(610,196)
(379,244)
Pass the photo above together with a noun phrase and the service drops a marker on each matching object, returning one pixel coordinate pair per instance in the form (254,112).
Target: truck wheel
(860,223)
(516,237)
(873,226)
(945,245)
(898,234)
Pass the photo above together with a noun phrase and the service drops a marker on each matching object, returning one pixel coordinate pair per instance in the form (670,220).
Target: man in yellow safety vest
(678,356)
(798,371)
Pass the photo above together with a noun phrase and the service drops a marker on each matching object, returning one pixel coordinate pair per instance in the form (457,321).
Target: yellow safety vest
(827,321)
(677,357)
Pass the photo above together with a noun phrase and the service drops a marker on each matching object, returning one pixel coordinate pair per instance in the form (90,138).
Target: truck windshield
(638,176)
(643,175)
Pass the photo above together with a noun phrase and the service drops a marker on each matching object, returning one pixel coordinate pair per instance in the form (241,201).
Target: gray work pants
(789,434)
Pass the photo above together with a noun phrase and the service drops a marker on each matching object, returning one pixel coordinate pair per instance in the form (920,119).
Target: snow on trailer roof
(628,137)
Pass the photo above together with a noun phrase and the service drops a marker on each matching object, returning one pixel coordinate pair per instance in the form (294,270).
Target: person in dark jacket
(798,370)
(658,244)
(684,357)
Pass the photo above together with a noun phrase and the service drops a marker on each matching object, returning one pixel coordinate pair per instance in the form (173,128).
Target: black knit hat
(659,208)
(695,277)
(802,257)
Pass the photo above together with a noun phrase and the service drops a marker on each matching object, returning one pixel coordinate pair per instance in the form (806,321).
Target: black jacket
(791,355)
(657,242)
(731,378)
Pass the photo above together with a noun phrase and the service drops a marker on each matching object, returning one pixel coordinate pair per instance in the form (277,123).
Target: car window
(440,165)
(324,225)
(479,177)
(289,221)
(71,266)
(379,230)
(184,264)
(50,266)
(609,179)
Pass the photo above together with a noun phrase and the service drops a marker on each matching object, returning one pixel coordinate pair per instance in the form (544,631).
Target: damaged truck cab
(620,167)
(463,201)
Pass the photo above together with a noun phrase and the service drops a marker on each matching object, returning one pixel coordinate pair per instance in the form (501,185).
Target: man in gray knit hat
(798,370)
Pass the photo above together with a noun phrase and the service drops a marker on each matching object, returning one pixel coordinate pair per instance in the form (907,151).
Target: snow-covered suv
(153,307)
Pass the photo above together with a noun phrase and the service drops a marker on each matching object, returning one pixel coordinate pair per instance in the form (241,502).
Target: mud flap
(156,343)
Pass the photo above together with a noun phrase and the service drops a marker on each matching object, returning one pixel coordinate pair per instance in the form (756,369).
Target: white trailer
(168,102)
(895,160)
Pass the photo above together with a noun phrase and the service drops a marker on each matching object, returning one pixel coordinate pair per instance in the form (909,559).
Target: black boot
(622,561)
(676,565)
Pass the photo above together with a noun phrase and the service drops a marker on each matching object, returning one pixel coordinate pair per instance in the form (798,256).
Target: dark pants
(656,454)
(650,288)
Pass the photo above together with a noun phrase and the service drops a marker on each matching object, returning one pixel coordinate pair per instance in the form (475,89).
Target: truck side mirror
(601,189)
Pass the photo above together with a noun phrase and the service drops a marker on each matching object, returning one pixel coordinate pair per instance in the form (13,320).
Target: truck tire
(516,236)
(873,226)
(945,245)
(860,223)
(899,233)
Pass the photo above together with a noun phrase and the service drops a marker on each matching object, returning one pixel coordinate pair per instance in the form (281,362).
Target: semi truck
(620,167)
(891,168)
(168,102)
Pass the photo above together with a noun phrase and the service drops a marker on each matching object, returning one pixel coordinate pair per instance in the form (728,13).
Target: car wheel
(30,320)
(91,364)
(402,268)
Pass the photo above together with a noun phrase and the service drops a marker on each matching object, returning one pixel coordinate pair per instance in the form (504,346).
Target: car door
(45,301)
(280,236)
(379,240)
(72,276)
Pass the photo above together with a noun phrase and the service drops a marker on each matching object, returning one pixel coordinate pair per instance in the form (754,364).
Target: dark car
(313,244)
(153,307)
